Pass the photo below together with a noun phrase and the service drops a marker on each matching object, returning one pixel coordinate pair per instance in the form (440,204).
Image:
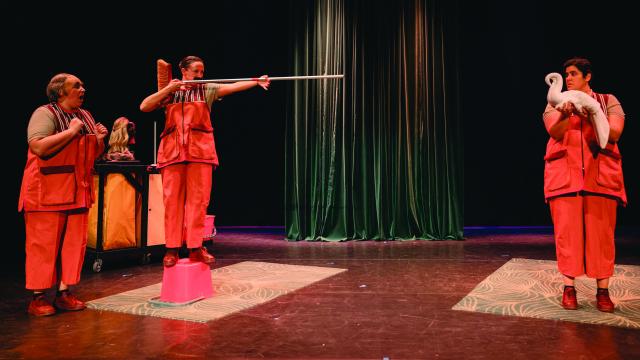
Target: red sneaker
(201,254)
(603,301)
(569,298)
(68,301)
(40,307)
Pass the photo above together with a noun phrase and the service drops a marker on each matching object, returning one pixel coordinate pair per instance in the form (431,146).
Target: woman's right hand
(76,125)
(567,109)
(174,85)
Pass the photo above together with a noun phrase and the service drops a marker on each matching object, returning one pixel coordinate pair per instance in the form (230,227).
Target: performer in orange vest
(187,155)
(583,184)
(56,193)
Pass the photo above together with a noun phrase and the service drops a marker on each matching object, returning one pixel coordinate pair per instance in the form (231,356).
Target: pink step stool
(184,283)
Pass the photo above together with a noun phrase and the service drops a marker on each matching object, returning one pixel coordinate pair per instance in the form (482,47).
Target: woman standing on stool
(187,155)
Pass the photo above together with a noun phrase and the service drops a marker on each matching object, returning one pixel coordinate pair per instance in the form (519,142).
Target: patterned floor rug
(532,288)
(236,287)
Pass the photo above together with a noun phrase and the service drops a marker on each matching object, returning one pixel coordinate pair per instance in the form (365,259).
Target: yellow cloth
(121,214)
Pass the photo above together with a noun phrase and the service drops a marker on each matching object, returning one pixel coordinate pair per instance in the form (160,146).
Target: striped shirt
(51,119)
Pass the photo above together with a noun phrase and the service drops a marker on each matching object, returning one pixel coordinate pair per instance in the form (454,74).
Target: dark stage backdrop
(506,49)
(114,51)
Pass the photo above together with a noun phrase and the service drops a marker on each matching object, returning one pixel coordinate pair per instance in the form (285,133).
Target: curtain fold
(377,155)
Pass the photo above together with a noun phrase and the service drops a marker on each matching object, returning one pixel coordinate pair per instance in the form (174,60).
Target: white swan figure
(557,98)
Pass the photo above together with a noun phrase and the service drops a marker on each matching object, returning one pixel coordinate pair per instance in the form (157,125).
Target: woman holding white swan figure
(583,180)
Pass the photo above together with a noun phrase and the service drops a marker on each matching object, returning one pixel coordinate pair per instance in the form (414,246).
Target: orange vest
(577,163)
(63,181)
(188,134)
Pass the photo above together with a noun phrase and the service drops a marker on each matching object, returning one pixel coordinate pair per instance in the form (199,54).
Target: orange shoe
(202,255)
(569,298)
(39,306)
(69,302)
(170,257)
(603,301)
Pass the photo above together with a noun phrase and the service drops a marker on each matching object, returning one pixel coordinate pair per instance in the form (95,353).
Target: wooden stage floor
(393,302)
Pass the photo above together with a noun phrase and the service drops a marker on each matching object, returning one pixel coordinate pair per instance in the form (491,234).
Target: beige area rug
(236,287)
(532,288)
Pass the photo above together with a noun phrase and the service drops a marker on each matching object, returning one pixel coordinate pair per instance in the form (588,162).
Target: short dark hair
(583,64)
(184,63)
(56,84)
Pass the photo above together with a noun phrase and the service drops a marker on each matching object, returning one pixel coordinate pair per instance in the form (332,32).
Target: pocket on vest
(201,145)
(169,149)
(57,185)
(556,171)
(609,170)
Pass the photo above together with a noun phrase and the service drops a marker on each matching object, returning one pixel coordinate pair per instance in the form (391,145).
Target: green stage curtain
(377,155)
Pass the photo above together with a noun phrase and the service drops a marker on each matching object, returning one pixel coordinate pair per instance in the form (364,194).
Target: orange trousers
(186,191)
(584,228)
(47,234)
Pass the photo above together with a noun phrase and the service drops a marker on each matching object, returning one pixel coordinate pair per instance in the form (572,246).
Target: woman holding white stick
(187,154)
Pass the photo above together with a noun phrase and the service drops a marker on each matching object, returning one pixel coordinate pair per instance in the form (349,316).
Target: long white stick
(308,77)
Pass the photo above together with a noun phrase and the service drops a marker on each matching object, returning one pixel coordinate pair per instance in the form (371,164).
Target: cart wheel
(145,259)
(97,265)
